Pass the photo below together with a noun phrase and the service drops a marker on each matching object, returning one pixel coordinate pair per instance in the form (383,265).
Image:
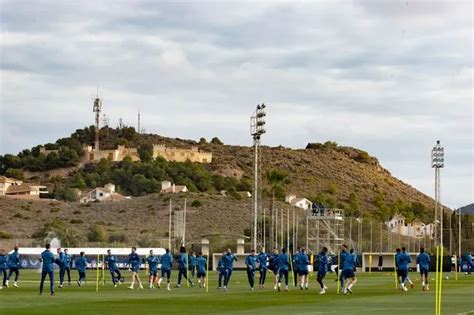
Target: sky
(389,77)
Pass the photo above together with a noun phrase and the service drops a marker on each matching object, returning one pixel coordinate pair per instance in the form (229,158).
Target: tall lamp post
(437,162)
(257,129)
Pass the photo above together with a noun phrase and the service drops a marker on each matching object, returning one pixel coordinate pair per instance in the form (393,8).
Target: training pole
(440,279)
(395,272)
(288,230)
(437,282)
(370,263)
(207,274)
(169,228)
(97,275)
(339,273)
(103,269)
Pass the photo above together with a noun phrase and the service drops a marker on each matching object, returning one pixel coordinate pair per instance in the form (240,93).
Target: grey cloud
(380,76)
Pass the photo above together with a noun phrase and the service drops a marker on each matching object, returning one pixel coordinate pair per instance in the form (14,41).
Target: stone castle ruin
(116,155)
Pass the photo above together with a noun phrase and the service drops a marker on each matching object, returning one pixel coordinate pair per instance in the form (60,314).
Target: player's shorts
(303,272)
(274,270)
(399,273)
(348,273)
(154,272)
(404,274)
(321,274)
(165,273)
(201,274)
(136,268)
(423,272)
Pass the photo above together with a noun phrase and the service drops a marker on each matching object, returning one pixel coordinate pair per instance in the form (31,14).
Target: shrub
(118,237)
(76,221)
(362,157)
(196,203)
(97,233)
(216,140)
(60,229)
(18,215)
(5,235)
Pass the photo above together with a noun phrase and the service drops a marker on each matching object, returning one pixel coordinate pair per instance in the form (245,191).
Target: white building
(168,187)
(416,229)
(302,203)
(106,193)
(6,183)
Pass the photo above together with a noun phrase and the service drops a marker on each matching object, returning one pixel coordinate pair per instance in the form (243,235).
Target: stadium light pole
(437,162)
(257,129)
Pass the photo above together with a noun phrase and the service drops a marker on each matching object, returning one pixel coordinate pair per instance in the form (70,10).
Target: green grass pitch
(373,294)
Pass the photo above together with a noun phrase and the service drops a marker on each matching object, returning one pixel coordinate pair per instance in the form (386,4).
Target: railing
(319,212)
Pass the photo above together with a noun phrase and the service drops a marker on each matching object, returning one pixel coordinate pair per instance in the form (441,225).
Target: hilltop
(336,176)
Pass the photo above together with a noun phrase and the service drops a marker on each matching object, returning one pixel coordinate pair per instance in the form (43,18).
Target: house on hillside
(415,229)
(167,187)
(6,183)
(396,221)
(302,203)
(17,189)
(106,193)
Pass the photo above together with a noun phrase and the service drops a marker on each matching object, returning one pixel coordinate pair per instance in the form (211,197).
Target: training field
(373,294)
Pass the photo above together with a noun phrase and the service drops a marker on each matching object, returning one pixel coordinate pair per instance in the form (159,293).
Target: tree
(276,179)
(14,173)
(145,151)
(354,204)
(216,140)
(202,141)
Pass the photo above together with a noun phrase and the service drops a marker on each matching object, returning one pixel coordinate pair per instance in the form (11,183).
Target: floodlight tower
(97,109)
(257,129)
(437,162)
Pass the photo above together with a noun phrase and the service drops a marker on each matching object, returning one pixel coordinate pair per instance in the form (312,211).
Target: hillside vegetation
(342,177)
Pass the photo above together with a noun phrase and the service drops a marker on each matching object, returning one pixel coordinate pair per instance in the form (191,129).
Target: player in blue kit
(62,266)
(81,265)
(348,273)
(3,267)
(183,267)
(303,262)
(47,258)
(229,259)
(67,265)
(296,271)
(134,262)
(342,255)
(221,270)
(262,260)
(201,266)
(283,268)
(111,264)
(192,266)
(403,260)
(423,261)
(14,265)
(322,269)
(251,264)
(273,266)
(166,266)
(153,262)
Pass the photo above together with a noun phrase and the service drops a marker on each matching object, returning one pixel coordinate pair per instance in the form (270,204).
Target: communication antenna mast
(97,110)
(139,130)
